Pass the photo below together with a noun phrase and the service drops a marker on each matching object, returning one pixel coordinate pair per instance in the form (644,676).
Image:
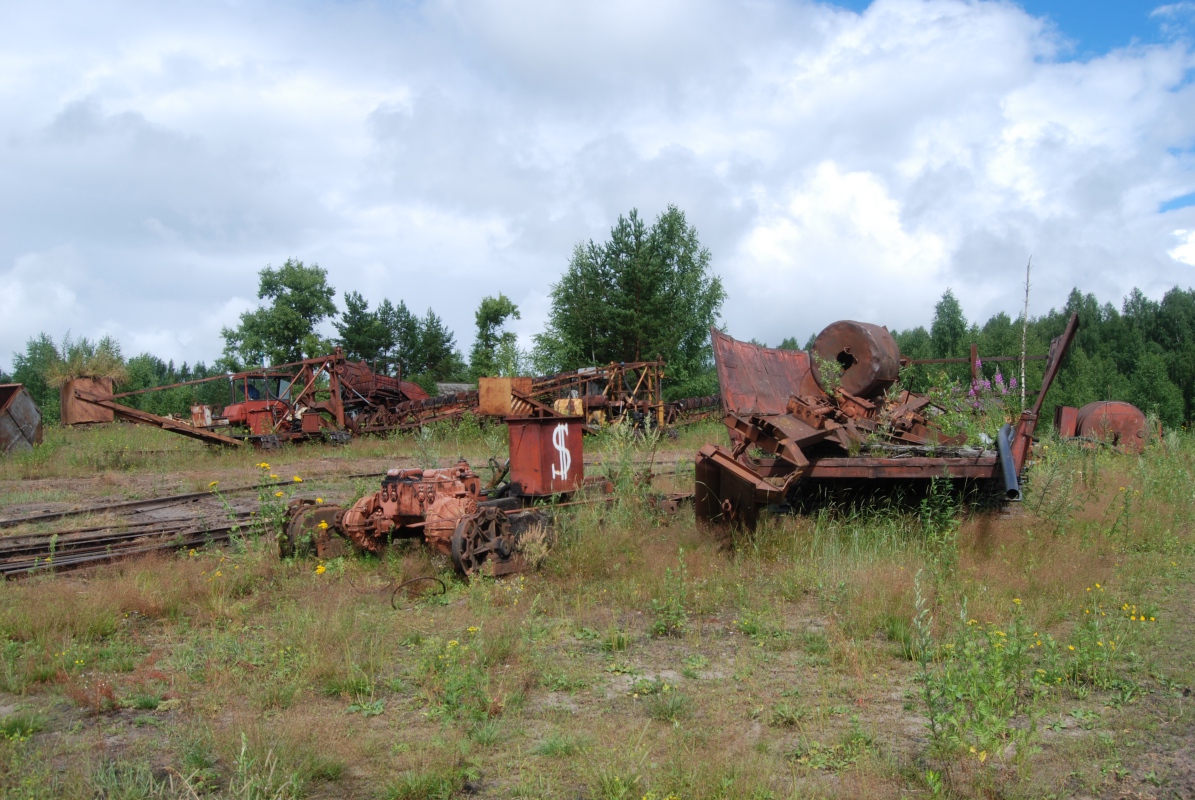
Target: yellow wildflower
(192,553)
(321,569)
(272,475)
(212,484)
(319,499)
(298,479)
(264,465)
(453,643)
(1070,647)
(1017,600)
(219,574)
(323,524)
(473,629)
(277,494)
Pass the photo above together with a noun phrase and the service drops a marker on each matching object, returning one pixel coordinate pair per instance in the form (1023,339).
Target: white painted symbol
(560,441)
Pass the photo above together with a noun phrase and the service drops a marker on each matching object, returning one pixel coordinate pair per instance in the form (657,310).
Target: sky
(846,160)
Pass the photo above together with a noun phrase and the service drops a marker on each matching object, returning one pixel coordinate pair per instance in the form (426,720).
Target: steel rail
(25,566)
(163,500)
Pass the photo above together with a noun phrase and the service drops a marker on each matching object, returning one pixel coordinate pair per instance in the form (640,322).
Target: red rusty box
(545,455)
(1066,421)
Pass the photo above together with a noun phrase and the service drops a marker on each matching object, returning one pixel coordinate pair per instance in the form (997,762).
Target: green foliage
(283,331)
(439,783)
(669,705)
(938,514)
(30,369)
(830,373)
(257,777)
(438,356)
(402,334)
(21,725)
(559,745)
(949,329)
(671,609)
(493,344)
(82,358)
(364,336)
(646,293)
(841,755)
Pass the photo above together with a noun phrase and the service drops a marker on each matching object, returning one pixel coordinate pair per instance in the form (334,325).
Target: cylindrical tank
(1118,423)
(868,354)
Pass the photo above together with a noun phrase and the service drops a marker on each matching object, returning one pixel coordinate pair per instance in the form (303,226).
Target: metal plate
(756,379)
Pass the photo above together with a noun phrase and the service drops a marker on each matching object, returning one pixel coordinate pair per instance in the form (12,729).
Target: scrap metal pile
(448,508)
(832,415)
(331,398)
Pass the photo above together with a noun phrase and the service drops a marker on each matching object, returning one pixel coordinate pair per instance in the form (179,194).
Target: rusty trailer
(846,424)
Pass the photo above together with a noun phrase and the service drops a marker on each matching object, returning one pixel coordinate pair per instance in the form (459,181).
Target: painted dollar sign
(560,441)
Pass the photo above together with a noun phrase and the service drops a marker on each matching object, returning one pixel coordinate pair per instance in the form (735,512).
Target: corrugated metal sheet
(756,379)
(20,421)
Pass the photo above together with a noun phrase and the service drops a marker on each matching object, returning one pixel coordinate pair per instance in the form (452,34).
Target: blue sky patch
(1178,202)
(1096,27)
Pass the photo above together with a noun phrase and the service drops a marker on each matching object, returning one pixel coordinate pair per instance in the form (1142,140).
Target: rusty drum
(868,354)
(1118,423)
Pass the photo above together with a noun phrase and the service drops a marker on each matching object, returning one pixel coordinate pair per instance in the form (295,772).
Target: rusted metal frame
(758,431)
(334,405)
(263,372)
(728,463)
(416,423)
(164,423)
(902,468)
(544,410)
(1022,440)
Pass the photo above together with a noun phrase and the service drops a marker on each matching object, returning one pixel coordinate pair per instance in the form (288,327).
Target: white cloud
(1185,252)
(836,164)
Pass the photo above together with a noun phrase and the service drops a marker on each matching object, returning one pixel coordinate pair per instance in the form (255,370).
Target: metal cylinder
(1117,423)
(1008,466)
(868,354)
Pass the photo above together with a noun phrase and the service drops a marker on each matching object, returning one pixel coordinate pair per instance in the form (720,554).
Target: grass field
(893,652)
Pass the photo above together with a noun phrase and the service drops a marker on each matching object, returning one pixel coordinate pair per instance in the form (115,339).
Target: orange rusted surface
(755,379)
(413,501)
(867,353)
(1119,424)
(545,455)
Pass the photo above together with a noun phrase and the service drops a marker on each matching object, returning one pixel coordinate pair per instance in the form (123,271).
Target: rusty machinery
(332,398)
(317,398)
(448,508)
(816,433)
(599,394)
(1112,422)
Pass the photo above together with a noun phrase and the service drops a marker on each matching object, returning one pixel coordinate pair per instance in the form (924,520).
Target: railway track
(207,522)
(41,552)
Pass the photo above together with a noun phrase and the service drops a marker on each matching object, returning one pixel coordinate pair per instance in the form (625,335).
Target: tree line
(647,292)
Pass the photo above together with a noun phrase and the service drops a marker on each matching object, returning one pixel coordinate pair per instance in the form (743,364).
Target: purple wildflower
(978,364)
(999,379)
(1012,383)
